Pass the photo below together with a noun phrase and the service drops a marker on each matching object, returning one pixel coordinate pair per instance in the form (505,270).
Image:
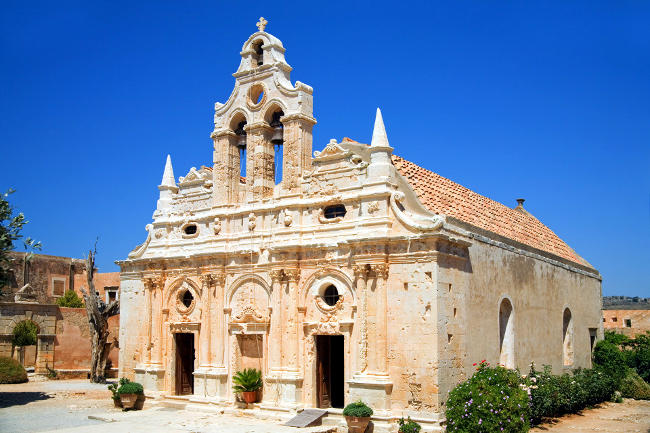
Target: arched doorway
(24,343)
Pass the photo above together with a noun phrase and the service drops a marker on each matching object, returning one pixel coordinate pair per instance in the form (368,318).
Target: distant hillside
(625,303)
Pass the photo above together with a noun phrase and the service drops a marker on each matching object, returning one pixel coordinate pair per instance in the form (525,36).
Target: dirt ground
(627,417)
(76,406)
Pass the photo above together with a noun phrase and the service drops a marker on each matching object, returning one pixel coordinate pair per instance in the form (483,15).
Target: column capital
(381,270)
(292,274)
(276,275)
(213,278)
(360,270)
(152,283)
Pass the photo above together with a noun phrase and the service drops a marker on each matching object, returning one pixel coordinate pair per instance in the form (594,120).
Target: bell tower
(263,132)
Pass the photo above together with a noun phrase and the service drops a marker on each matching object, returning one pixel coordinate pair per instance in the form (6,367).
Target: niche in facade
(190,230)
(258,54)
(567,333)
(334,211)
(506,334)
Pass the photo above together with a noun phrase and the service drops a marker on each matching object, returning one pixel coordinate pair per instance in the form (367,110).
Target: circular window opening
(187,299)
(256,94)
(190,229)
(335,211)
(331,295)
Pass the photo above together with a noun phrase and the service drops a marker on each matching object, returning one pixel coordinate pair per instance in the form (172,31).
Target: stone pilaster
(360,277)
(217,318)
(149,285)
(206,321)
(296,150)
(260,173)
(291,321)
(226,169)
(381,327)
(275,336)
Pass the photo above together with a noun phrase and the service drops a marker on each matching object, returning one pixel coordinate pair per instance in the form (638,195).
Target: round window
(187,299)
(256,95)
(331,295)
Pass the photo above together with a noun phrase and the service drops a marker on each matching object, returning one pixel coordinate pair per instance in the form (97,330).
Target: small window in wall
(258,56)
(334,211)
(331,295)
(58,286)
(187,298)
(190,229)
(241,146)
(111,294)
(628,323)
(506,334)
(614,319)
(567,333)
(277,140)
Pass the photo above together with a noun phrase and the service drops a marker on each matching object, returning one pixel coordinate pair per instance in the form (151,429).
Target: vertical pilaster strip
(259,144)
(156,319)
(360,275)
(275,355)
(226,169)
(206,320)
(291,322)
(217,319)
(148,287)
(296,150)
(381,328)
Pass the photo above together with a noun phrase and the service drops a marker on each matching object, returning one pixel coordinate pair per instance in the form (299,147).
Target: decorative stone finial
(261,24)
(168,174)
(379,137)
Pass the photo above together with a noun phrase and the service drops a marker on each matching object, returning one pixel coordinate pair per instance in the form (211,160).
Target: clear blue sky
(547,101)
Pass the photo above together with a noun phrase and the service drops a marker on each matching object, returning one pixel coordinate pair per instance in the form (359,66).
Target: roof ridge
(442,195)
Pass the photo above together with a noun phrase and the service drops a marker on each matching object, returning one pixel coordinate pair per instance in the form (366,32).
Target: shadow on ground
(8,399)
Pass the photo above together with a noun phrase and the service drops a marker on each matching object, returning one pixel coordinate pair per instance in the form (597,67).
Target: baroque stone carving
(288,219)
(216,226)
(252,221)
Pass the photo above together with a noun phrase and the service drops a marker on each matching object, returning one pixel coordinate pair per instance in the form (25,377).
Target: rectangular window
(614,319)
(628,323)
(111,294)
(58,286)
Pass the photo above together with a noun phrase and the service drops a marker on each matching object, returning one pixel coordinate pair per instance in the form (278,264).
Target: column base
(372,389)
(152,378)
(283,389)
(211,383)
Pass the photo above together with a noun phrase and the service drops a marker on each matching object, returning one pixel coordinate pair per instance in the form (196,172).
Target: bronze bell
(241,141)
(278,135)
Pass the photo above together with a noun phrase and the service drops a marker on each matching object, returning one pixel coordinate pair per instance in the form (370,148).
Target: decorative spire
(168,175)
(379,138)
(261,24)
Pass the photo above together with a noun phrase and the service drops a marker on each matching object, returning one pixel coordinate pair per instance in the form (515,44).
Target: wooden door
(184,364)
(323,371)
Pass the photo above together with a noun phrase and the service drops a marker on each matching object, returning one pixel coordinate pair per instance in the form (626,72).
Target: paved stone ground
(65,406)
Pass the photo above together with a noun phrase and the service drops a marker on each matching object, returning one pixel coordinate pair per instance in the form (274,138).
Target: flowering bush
(492,400)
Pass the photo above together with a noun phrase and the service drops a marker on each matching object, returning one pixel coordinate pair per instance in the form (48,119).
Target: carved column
(360,276)
(381,315)
(226,169)
(148,288)
(275,337)
(296,150)
(156,322)
(292,344)
(260,173)
(206,321)
(217,319)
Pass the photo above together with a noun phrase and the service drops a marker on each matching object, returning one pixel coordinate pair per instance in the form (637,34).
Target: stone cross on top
(261,24)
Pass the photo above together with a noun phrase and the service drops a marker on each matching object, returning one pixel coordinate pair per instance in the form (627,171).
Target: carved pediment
(195,177)
(332,151)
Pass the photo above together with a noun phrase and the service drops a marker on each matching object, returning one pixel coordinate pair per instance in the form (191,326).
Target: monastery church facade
(345,274)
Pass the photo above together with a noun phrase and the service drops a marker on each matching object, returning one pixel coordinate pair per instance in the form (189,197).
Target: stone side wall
(539,292)
(134,323)
(615,320)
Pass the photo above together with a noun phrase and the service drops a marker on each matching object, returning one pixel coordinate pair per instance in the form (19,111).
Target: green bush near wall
(11,371)
(24,334)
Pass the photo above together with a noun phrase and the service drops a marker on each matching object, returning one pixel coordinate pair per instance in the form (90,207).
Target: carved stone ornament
(328,325)
(332,151)
(252,221)
(326,308)
(373,207)
(288,219)
(216,226)
(249,314)
(381,270)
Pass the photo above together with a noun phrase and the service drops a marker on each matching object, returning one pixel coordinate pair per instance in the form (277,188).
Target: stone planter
(249,396)
(128,400)
(357,424)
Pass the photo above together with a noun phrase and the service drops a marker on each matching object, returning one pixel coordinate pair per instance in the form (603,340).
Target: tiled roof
(442,196)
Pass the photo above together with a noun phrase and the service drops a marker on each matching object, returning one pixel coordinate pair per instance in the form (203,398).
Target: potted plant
(409,426)
(129,394)
(248,381)
(116,396)
(357,415)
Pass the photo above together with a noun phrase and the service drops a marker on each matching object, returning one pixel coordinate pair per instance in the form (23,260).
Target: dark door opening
(184,364)
(330,371)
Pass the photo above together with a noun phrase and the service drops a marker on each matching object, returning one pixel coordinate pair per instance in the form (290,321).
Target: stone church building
(342,274)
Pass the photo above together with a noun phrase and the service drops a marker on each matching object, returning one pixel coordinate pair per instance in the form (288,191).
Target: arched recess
(238,120)
(320,279)
(567,337)
(247,278)
(273,115)
(506,334)
(176,285)
(25,344)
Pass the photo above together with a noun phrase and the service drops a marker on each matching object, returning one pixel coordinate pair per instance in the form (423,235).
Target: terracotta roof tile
(443,196)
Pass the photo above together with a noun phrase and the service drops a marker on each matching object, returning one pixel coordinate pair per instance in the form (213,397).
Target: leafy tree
(10,230)
(24,333)
(70,299)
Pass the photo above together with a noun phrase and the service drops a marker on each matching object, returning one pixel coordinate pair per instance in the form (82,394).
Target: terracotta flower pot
(357,424)
(128,400)
(139,402)
(117,402)
(249,396)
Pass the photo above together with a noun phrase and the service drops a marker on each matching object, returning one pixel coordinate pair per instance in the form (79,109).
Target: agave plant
(247,380)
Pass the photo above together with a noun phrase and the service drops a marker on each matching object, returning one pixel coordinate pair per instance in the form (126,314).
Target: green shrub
(409,426)
(633,386)
(640,355)
(247,380)
(24,333)
(130,388)
(11,371)
(611,359)
(70,299)
(492,400)
(357,409)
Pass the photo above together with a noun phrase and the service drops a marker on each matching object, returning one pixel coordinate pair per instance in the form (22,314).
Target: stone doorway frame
(180,328)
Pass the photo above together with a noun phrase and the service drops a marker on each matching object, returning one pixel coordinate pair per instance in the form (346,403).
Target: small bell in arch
(241,136)
(278,129)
